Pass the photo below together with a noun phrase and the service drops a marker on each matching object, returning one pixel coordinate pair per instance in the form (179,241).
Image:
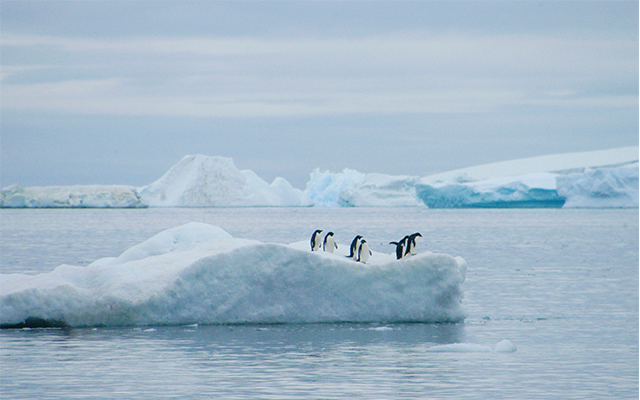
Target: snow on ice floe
(79,196)
(607,178)
(199,274)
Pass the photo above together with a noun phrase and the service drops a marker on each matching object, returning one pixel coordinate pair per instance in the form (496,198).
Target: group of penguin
(360,250)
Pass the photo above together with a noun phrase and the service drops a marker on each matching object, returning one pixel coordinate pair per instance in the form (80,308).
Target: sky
(117,92)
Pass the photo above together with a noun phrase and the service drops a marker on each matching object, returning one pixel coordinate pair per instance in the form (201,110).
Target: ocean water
(561,285)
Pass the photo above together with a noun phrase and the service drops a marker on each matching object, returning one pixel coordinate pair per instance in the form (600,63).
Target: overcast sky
(117,92)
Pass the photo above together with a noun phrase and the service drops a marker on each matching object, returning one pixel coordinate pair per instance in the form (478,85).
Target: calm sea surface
(561,285)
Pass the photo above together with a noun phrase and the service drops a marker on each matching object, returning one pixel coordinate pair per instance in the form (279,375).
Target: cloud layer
(399,72)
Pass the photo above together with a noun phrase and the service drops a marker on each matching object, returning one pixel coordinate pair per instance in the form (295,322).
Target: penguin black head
(326,236)
(411,243)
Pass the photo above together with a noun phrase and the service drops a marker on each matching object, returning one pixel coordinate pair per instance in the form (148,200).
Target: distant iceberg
(351,188)
(80,196)
(527,191)
(196,181)
(204,181)
(198,273)
(607,178)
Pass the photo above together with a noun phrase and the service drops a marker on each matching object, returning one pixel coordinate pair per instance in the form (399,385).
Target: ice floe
(199,274)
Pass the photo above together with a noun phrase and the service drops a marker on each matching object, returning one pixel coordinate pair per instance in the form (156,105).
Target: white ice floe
(204,181)
(199,274)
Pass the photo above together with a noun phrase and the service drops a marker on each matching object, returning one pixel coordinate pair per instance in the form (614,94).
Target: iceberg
(199,274)
(355,189)
(603,187)
(196,181)
(205,181)
(527,191)
(607,178)
(80,196)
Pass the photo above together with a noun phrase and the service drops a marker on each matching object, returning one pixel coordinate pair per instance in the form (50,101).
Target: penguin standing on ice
(329,243)
(399,248)
(364,252)
(315,240)
(411,243)
(355,245)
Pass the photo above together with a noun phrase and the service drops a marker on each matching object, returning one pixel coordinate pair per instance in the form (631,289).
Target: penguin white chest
(330,244)
(316,242)
(364,253)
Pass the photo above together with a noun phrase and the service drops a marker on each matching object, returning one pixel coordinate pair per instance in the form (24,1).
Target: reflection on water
(279,361)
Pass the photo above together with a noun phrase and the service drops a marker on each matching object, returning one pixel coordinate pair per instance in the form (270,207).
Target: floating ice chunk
(504,346)
(198,274)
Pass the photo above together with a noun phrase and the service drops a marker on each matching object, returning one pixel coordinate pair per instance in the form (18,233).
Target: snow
(607,178)
(205,181)
(87,196)
(199,274)
(548,163)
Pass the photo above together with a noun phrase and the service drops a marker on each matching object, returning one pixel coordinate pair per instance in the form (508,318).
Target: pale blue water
(561,285)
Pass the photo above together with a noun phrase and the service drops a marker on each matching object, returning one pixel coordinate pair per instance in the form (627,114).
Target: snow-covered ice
(199,274)
(204,181)
(607,178)
(81,196)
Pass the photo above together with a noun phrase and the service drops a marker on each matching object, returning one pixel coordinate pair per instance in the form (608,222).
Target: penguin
(364,252)
(399,249)
(411,243)
(329,243)
(315,240)
(355,244)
